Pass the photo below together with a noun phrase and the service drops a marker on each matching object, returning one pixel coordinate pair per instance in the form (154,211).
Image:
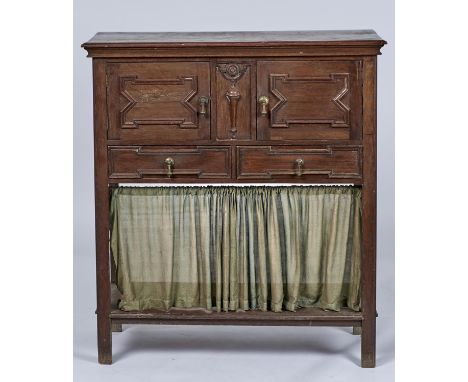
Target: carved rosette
(233,73)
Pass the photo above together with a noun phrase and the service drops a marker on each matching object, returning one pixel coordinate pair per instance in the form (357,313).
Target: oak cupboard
(235,107)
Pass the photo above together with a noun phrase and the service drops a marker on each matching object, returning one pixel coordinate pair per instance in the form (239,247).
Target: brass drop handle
(263,101)
(203,101)
(299,166)
(169,162)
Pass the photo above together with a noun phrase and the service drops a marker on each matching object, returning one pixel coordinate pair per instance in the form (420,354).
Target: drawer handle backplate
(169,162)
(299,166)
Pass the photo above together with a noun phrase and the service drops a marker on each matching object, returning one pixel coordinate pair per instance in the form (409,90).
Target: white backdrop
(176,353)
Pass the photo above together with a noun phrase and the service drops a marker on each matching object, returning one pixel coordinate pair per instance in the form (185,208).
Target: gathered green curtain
(237,248)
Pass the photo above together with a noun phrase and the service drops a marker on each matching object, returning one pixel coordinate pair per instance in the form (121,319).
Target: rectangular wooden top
(272,38)
(234,44)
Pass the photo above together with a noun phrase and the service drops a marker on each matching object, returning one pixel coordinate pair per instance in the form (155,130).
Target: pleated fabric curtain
(237,248)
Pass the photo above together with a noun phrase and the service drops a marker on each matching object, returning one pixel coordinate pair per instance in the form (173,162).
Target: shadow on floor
(222,340)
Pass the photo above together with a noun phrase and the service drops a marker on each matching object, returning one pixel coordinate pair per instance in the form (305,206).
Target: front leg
(368,343)
(104,340)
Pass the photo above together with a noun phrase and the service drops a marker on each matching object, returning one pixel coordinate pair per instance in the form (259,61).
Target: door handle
(203,101)
(264,101)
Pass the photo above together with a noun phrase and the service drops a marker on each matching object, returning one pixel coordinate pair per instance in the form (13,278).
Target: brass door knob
(299,166)
(263,101)
(169,162)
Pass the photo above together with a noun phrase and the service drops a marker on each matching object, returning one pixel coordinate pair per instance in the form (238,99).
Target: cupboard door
(309,100)
(159,102)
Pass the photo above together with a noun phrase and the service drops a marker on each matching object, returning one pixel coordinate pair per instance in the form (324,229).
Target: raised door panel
(169,164)
(234,101)
(299,163)
(309,100)
(158,102)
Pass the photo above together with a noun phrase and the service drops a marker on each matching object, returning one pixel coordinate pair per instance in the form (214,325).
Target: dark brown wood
(303,317)
(151,125)
(138,162)
(235,44)
(279,163)
(310,100)
(233,100)
(369,214)
(102,216)
(158,100)
(235,38)
(322,179)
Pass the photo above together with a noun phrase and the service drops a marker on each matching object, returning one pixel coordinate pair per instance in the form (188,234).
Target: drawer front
(309,100)
(175,163)
(163,102)
(299,163)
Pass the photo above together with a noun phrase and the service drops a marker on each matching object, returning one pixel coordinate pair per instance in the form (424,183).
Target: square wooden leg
(104,340)
(368,343)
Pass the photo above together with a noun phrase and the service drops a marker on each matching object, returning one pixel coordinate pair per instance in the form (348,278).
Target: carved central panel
(309,100)
(158,102)
(233,100)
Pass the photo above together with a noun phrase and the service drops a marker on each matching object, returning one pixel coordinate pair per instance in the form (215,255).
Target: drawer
(163,102)
(297,163)
(309,100)
(174,163)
